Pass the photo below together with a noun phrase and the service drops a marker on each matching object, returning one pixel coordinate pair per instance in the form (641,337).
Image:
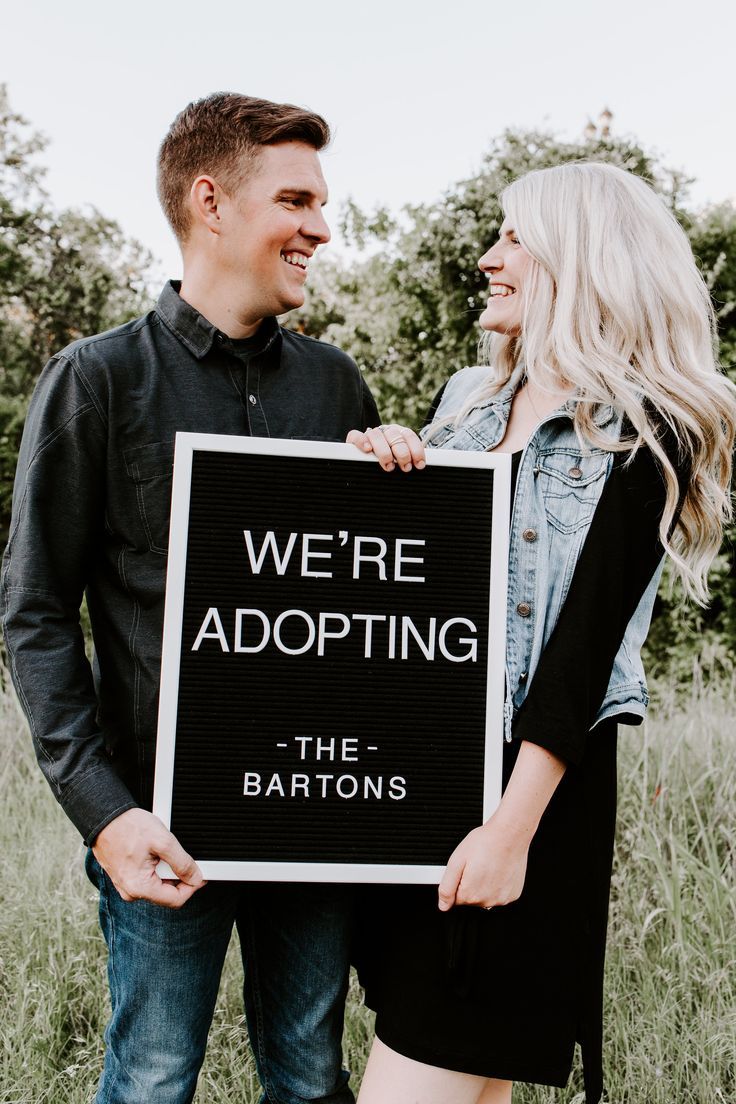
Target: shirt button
(252,399)
(523,609)
(575,473)
(529,535)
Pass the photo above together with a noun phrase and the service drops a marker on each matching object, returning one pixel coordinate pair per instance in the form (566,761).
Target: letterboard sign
(333,659)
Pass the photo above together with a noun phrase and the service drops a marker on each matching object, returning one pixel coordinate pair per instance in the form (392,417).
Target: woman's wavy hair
(614,305)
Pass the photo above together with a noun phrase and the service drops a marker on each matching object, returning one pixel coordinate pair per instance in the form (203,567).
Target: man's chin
(291,302)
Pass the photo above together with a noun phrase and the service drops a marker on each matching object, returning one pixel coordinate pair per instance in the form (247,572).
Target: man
(241,184)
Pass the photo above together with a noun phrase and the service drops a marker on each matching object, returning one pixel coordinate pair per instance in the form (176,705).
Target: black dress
(507,993)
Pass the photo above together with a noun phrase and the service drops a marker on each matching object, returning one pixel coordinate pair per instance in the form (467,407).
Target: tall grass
(670,1027)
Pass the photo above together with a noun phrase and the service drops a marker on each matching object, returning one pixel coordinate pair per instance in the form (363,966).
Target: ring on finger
(396,441)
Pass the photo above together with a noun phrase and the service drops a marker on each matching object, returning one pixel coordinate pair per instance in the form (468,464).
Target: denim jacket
(558,486)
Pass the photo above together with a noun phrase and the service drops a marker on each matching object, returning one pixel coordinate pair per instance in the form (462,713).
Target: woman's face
(505,265)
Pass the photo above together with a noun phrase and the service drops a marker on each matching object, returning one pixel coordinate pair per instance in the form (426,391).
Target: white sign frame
(186,445)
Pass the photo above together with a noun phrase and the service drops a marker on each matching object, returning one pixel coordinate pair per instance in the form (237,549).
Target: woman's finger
(359,439)
(396,439)
(381,448)
(416,447)
(450,881)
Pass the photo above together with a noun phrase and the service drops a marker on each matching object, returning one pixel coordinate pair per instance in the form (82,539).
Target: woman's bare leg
(496,1092)
(390,1078)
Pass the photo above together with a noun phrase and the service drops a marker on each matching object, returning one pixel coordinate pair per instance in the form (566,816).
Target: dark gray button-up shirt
(91,515)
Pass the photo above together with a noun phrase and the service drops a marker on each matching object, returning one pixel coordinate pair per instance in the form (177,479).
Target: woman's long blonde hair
(614,305)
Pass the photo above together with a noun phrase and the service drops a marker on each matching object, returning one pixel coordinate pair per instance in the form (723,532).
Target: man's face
(274,224)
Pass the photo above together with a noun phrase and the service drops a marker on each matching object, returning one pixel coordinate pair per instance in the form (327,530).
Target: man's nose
(316,228)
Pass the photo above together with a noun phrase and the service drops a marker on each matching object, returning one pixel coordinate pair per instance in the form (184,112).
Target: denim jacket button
(523,609)
(575,473)
(529,535)
(252,400)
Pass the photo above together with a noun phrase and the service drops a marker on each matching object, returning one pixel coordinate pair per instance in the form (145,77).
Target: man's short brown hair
(220,135)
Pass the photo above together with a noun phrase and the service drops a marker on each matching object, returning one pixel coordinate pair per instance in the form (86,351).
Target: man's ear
(205,197)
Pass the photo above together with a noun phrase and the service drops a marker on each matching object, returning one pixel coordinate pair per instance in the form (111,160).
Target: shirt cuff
(96,799)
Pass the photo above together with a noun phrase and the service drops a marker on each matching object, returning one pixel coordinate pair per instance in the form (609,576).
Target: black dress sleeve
(619,557)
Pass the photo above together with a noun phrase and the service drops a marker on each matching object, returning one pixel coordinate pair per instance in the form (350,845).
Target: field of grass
(671,1024)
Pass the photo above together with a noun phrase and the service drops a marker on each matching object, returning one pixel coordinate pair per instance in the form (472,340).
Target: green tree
(62,275)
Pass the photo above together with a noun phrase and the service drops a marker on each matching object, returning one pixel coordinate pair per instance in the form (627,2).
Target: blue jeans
(164,971)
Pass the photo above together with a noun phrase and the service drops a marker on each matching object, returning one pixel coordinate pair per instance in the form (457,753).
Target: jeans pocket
(92,869)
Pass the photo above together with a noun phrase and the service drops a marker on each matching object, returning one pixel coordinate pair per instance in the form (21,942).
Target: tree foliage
(406,310)
(63,274)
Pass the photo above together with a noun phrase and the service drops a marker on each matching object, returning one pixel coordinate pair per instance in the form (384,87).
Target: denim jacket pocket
(571,483)
(151,468)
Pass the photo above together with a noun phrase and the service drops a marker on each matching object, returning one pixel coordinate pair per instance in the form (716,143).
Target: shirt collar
(195,331)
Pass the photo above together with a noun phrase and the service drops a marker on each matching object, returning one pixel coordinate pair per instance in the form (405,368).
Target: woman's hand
(391,445)
(487,868)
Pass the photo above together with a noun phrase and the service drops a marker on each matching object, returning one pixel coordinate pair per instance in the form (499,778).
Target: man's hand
(129,849)
(391,445)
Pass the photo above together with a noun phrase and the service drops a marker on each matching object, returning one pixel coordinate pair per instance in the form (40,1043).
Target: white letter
(472,652)
(256,562)
(277,632)
(369,618)
(349,743)
(300,782)
(408,626)
(347,778)
(306,554)
(239,615)
(252,784)
(275,784)
(398,577)
(303,740)
(379,558)
(397,788)
(326,746)
(324,778)
(392,636)
(324,635)
(369,784)
(218,634)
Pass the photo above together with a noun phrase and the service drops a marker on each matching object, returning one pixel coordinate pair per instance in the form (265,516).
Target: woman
(600,380)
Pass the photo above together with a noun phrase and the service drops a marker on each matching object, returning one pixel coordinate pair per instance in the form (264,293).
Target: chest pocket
(571,484)
(151,467)
(440,437)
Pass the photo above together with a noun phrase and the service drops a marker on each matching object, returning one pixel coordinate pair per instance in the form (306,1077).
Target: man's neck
(213,303)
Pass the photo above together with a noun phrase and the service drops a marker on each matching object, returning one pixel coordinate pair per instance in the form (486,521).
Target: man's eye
(294,201)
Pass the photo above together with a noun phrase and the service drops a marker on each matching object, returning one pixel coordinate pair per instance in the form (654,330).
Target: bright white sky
(414,89)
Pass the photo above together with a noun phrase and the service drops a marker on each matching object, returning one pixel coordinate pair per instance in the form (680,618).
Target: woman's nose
(490,261)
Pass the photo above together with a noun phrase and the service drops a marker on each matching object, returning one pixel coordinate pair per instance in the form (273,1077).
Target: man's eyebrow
(302,193)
